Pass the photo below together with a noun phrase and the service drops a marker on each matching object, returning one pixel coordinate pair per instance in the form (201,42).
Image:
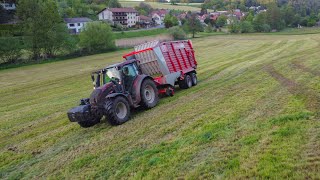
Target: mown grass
(142,33)
(254,114)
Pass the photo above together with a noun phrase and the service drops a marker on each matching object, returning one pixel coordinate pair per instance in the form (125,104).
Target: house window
(71,25)
(79,24)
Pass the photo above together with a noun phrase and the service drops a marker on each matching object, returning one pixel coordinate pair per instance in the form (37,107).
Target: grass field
(254,114)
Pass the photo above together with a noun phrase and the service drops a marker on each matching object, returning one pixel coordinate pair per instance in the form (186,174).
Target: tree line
(44,35)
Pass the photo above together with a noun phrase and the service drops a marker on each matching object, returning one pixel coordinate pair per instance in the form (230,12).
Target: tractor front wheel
(149,94)
(89,123)
(117,110)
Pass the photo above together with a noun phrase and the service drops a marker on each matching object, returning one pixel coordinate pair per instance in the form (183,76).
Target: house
(124,16)
(75,25)
(8,5)
(158,16)
(203,17)
(145,21)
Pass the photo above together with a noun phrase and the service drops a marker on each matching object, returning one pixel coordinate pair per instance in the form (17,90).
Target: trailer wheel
(87,124)
(194,79)
(186,82)
(149,94)
(117,110)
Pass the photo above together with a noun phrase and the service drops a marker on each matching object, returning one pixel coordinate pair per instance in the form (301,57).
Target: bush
(246,27)
(208,29)
(97,37)
(266,28)
(234,28)
(311,22)
(10,49)
(177,33)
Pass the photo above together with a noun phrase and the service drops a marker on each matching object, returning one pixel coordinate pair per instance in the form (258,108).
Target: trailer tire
(87,124)
(117,110)
(149,94)
(194,79)
(186,82)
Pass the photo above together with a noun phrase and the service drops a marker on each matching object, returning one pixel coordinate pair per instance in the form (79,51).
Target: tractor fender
(113,95)
(137,87)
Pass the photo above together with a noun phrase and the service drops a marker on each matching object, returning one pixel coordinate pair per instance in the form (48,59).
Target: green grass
(254,114)
(132,34)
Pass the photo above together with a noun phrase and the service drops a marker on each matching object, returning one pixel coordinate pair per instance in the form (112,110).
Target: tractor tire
(117,110)
(194,79)
(87,124)
(186,82)
(149,94)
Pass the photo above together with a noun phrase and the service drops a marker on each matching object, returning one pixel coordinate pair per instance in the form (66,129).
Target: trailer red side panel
(179,56)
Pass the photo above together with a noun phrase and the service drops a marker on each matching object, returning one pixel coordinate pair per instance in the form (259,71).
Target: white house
(75,25)
(158,16)
(124,16)
(8,6)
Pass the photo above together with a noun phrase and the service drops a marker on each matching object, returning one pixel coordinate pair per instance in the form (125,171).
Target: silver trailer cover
(151,62)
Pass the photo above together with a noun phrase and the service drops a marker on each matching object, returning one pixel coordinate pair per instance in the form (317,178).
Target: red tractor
(151,69)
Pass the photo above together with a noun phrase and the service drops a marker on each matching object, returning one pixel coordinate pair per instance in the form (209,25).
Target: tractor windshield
(112,74)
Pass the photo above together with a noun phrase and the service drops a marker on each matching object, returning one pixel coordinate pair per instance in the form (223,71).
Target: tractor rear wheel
(117,110)
(186,82)
(194,79)
(149,94)
(89,123)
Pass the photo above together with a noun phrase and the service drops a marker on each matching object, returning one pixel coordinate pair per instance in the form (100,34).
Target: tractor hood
(98,95)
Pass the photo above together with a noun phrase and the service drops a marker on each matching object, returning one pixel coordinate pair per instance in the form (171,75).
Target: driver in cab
(128,79)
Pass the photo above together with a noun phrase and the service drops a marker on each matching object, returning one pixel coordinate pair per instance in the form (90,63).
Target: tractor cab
(121,74)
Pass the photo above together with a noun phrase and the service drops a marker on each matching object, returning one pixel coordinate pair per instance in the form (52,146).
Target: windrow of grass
(243,120)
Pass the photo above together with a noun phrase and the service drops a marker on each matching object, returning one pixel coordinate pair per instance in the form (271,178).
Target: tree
(55,31)
(43,26)
(167,21)
(174,20)
(114,4)
(221,21)
(29,12)
(274,17)
(288,14)
(177,33)
(193,24)
(96,37)
(246,27)
(259,21)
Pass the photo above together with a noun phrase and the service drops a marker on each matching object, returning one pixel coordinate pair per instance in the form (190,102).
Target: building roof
(77,20)
(160,12)
(126,10)
(145,18)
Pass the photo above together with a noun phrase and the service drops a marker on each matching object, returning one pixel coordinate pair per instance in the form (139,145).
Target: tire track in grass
(311,97)
(298,65)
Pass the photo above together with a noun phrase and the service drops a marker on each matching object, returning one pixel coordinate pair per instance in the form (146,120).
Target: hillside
(254,113)
(156,5)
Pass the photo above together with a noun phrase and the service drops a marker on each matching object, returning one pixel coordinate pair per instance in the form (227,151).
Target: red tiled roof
(160,12)
(145,18)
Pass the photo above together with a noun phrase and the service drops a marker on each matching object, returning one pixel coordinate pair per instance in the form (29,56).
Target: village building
(76,25)
(8,5)
(145,21)
(124,16)
(158,16)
